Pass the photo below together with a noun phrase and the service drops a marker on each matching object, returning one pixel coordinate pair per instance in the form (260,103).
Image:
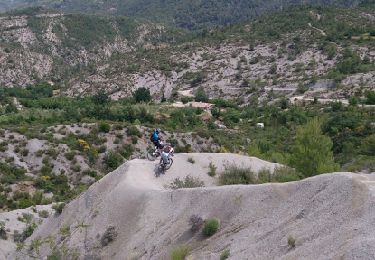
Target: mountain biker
(155,138)
(167,151)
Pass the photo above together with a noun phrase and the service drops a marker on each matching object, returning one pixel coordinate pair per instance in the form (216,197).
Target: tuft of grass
(58,207)
(234,174)
(285,174)
(225,254)
(212,171)
(211,226)
(187,182)
(82,225)
(196,223)
(291,242)
(191,160)
(180,252)
(264,175)
(26,217)
(35,245)
(65,230)
(43,214)
(3,233)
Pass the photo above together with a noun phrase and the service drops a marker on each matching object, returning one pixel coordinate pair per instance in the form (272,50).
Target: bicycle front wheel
(169,164)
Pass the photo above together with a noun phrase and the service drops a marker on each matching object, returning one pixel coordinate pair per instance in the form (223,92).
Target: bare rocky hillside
(61,161)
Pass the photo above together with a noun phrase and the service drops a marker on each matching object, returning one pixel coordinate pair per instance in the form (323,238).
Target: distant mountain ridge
(194,14)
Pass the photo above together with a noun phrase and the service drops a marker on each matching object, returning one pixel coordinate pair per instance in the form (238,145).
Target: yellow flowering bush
(84,145)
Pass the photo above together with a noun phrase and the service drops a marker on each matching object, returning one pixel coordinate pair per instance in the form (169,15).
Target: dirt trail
(141,171)
(320,30)
(331,212)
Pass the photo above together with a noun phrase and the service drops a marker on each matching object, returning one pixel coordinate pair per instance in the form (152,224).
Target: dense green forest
(197,14)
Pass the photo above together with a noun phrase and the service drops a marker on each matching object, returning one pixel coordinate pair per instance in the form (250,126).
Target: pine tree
(312,152)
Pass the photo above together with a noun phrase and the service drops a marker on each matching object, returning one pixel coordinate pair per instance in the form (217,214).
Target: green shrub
(134,140)
(91,173)
(58,207)
(187,182)
(27,232)
(69,155)
(142,95)
(65,230)
(186,100)
(24,152)
(361,163)
(370,97)
(102,149)
(127,151)
(55,255)
(118,127)
(183,149)
(113,160)
(194,78)
(180,252)
(200,95)
(11,173)
(133,131)
(23,199)
(26,218)
(3,199)
(225,254)
(235,175)
(104,127)
(301,88)
(75,168)
(264,175)
(43,214)
(211,226)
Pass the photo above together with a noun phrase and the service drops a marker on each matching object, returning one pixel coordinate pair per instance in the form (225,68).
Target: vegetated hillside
(197,14)
(115,217)
(51,144)
(283,54)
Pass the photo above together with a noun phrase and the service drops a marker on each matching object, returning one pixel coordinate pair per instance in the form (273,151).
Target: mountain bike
(166,161)
(153,153)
